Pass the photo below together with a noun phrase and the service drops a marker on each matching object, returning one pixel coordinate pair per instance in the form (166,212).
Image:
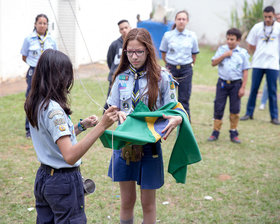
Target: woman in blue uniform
(179,48)
(58,187)
(139,77)
(32,48)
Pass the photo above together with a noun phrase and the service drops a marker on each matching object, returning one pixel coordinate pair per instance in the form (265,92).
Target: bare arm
(218,60)
(24,58)
(163,56)
(241,91)
(72,153)
(194,58)
(251,48)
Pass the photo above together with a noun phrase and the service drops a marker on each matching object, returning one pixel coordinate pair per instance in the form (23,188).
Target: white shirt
(266,55)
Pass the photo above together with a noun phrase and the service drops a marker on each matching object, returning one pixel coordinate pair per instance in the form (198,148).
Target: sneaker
(246,117)
(28,135)
(262,107)
(236,140)
(214,136)
(275,121)
(234,136)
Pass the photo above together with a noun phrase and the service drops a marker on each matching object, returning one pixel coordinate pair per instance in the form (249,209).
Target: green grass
(252,195)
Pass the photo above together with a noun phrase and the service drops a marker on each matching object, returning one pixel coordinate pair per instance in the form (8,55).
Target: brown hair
(152,67)
(52,80)
(182,11)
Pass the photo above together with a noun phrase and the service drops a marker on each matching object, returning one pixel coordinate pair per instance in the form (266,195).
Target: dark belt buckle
(178,67)
(228,81)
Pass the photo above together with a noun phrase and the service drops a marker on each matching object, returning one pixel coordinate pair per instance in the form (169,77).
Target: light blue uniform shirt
(179,46)
(122,89)
(231,68)
(32,50)
(53,123)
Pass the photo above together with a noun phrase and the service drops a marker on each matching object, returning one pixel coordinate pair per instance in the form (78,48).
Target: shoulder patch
(62,128)
(54,112)
(124,77)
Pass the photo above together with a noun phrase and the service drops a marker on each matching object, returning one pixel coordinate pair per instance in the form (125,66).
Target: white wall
(209,19)
(97,19)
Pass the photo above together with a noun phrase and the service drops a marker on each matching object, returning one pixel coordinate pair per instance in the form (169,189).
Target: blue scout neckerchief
(138,74)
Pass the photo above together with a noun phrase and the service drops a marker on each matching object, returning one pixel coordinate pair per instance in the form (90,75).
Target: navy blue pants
(29,76)
(271,78)
(184,77)
(224,90)
(59,198)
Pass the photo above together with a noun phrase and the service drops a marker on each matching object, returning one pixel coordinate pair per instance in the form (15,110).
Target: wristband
(80,126)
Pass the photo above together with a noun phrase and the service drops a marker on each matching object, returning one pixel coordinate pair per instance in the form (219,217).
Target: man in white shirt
(263,40)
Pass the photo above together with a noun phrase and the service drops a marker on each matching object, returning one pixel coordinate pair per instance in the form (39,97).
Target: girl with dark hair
(32,48)
(179,48)
(58,185)
(139,77)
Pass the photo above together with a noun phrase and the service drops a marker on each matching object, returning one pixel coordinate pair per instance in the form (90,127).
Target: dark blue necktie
(136,94)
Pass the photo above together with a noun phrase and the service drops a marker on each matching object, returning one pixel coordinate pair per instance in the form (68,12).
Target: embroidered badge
(172,95)
(62,128)
(54,112)
(122,85)
(59,121)
(125,106)
(172,86)
(124,77)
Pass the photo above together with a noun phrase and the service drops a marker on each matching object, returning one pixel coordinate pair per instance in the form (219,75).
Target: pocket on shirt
(125,100)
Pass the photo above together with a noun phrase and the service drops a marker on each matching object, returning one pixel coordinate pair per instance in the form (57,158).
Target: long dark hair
(152,67)
(52,80)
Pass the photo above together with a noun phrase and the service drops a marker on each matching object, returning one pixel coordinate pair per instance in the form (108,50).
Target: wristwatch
(80,126)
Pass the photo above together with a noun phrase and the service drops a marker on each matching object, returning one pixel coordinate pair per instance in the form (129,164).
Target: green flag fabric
(144,126)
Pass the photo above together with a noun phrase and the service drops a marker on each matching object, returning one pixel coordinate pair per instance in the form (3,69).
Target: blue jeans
(265,91)
(271,77)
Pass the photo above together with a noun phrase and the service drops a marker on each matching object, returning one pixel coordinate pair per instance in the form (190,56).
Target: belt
(230,81)
(178,67)
(50,170)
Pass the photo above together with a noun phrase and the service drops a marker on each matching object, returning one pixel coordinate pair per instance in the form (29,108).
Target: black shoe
(246,117)
(275,121)
(214,136)
(27,135)
(234,136)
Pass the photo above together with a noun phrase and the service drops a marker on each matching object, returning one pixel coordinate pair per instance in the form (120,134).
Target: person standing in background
(33,46)
(115,52)
(263,40)
(179,48)
(265,91)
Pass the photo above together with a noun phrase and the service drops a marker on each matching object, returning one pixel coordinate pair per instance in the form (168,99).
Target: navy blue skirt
(148,172)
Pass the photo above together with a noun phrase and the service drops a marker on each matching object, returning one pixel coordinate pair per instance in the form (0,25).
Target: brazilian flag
(144,126)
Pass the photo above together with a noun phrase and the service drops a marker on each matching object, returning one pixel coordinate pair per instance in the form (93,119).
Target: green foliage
(251,15)
(250,195)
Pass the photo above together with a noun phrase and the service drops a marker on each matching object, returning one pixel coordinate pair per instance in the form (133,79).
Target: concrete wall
(97,21)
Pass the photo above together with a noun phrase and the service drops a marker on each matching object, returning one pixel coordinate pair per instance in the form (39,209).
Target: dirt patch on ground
(85,71)
(94,71)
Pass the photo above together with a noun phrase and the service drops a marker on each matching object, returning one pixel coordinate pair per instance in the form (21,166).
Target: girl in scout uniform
(139,77)
(32,48)
(58,185)
(179,48)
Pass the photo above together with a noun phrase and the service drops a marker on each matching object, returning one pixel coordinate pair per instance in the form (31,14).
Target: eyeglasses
(138,53)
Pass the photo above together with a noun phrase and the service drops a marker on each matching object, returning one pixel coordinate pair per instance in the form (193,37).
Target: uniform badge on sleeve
(61,128)
(54,112)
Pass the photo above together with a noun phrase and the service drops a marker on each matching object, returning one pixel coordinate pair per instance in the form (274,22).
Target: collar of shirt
(237,48)
(130,73)
(185,32)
